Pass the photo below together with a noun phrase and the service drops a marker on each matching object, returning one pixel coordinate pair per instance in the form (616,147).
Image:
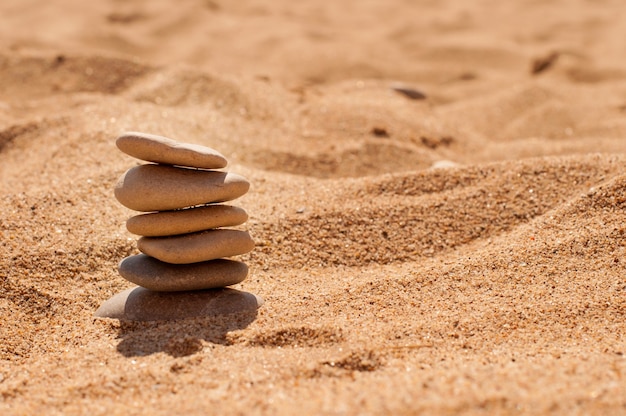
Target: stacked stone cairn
(183,240)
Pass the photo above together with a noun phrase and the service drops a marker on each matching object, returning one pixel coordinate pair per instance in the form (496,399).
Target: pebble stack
(183,240)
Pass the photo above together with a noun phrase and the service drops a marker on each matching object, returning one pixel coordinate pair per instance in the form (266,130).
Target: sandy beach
(438,203)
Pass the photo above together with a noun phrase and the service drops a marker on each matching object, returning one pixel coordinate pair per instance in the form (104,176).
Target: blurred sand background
(493,285)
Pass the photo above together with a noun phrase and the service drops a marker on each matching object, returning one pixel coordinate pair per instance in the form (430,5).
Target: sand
(493,285)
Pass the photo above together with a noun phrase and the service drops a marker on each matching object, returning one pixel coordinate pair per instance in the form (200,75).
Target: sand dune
(438,203)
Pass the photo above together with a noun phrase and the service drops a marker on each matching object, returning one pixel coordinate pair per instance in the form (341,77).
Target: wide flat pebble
(161,188)
(140,304)
(166,223)
(159,149)
(196,247)
(156,275)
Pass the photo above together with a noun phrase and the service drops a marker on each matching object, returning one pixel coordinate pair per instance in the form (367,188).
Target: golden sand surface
(493,283)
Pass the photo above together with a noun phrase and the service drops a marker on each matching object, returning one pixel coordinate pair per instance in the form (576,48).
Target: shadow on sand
(176,322)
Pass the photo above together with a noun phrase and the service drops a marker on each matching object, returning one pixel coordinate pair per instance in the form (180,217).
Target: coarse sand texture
(435,191)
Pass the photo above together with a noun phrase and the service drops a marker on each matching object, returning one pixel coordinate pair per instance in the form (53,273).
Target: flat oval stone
(184,221)
(139,304)
(196,247)
(162,188)
(156,275)
(159,149)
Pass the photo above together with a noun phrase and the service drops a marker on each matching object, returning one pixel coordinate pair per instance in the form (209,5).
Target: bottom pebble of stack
(140,304)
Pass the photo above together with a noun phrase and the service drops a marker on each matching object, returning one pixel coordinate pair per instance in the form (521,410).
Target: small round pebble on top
(159,149)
